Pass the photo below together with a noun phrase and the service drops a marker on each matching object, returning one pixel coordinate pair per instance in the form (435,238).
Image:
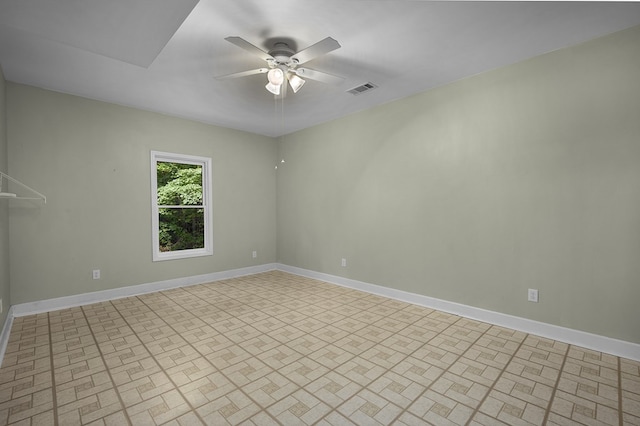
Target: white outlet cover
(532,295)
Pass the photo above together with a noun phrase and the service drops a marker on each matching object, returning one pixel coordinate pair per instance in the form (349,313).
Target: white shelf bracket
(10,195)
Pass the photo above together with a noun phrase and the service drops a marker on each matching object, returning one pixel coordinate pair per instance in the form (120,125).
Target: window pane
(179,184)
(181,206)
(181,229)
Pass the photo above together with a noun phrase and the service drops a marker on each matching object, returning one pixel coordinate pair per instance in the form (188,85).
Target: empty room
(354,212)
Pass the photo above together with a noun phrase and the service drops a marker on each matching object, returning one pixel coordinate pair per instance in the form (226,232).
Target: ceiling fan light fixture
(275,76)
(296,82)
(273,88)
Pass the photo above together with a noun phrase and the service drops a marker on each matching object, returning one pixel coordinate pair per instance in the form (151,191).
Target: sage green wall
(523,177)
(92,161)
(4,211)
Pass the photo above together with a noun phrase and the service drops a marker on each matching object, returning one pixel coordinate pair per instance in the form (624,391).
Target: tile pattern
(275,348)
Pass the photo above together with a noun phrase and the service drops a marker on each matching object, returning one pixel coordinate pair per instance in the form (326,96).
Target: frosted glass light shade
(275,89)
(275,76)
(296,83)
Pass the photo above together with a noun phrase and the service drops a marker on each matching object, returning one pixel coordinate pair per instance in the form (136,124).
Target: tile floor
(275,348)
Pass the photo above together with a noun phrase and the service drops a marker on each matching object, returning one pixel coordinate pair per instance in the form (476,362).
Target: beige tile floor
(275,348)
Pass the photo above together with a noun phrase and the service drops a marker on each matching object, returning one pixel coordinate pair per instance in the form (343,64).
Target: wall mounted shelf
(4,194)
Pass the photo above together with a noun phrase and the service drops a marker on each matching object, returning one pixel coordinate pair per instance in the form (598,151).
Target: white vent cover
(362,88)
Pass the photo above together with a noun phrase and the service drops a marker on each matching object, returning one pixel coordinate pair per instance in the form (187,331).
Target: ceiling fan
(284,63)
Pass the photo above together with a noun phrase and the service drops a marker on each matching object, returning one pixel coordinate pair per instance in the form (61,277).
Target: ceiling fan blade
(244,44)
(243,73)
(319,76)
(320,48)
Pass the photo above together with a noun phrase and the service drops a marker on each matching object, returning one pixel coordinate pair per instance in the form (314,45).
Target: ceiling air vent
(362,88)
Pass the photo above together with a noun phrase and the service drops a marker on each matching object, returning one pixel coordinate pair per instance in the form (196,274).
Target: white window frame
(205,162)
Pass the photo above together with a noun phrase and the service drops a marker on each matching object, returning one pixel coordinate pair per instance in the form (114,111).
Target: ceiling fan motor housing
(282,54)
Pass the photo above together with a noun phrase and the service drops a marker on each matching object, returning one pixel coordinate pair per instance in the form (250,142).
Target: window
(181,206)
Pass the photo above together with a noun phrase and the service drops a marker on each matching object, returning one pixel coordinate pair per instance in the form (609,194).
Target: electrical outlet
(96,274)
(532,295)
(344,262)
(254,254)
(1,308)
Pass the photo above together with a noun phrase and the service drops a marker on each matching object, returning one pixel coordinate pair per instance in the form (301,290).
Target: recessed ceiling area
(163,55)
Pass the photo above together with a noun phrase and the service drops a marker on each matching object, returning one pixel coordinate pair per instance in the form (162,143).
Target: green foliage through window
(180,206)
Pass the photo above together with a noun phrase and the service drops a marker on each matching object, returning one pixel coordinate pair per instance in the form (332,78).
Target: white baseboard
(575,337)
(31,308)
(4,335)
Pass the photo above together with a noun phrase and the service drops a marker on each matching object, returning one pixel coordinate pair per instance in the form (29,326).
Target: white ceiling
(162,55)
